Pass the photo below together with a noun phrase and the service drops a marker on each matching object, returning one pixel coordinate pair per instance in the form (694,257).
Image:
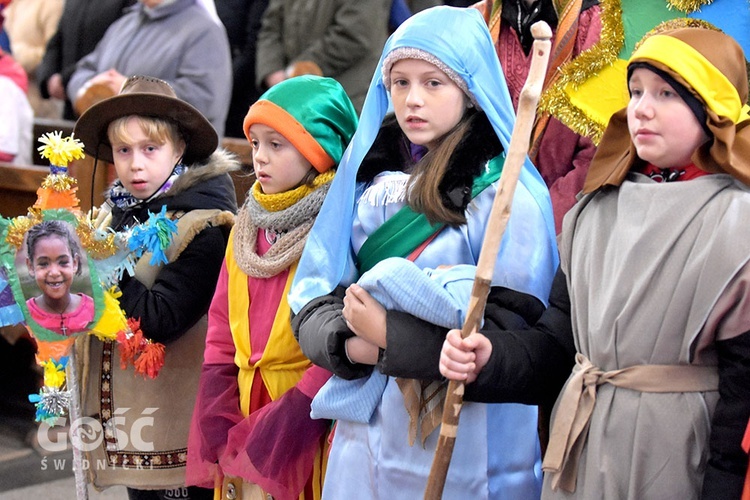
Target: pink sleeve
(566,153)
(217,410)
(589,28)
(564,189)
(217,406)
(219,344)
(313,380)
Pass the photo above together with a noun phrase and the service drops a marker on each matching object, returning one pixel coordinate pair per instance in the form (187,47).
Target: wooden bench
(243,178)
(18,183)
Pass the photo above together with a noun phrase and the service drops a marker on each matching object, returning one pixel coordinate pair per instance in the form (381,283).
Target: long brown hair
(423,193)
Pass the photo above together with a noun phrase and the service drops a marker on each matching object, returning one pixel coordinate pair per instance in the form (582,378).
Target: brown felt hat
(149,97)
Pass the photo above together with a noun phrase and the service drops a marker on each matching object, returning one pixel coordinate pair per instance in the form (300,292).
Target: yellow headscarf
(711,65)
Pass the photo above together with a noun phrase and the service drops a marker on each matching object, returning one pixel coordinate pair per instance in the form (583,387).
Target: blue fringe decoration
(153,236)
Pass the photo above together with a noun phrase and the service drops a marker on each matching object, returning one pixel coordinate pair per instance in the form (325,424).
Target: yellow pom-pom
(54,373)
(60,150)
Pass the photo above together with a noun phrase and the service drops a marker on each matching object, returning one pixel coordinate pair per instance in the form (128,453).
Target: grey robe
(647,264)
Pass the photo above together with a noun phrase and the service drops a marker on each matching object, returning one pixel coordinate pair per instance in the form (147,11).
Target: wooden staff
(74,411)
(498,220)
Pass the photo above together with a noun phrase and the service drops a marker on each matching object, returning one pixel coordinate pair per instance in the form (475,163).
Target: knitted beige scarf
(290,213)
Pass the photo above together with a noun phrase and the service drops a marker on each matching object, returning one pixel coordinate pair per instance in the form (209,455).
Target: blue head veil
(460,39)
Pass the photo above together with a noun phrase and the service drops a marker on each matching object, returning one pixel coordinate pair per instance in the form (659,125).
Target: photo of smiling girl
(54,261)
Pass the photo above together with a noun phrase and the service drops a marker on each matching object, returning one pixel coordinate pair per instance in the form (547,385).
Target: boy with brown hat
(165,155)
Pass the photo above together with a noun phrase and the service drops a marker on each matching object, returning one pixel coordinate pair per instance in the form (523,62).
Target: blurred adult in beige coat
(29,25)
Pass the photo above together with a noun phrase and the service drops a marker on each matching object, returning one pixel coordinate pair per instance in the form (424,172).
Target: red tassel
(130,342)
(147,356)
(150,360)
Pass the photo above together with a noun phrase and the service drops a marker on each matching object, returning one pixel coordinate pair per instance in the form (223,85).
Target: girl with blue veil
(419,186)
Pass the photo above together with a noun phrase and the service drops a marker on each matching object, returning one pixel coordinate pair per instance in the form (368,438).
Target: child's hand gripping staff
(498,220)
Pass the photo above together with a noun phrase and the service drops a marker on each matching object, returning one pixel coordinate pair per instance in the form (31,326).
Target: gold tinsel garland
(680,22)
(688,6)
(98,244)
(18,228)
(588,63)
(59,182)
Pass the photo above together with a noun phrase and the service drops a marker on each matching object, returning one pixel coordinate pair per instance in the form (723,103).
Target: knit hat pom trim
(413,53)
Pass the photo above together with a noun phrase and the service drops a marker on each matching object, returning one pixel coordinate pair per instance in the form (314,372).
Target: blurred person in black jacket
(241,18)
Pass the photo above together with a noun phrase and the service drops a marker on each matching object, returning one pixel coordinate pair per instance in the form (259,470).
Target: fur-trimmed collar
(219,163)
(392,151)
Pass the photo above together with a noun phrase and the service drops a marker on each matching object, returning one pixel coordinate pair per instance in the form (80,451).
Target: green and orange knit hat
(313,113)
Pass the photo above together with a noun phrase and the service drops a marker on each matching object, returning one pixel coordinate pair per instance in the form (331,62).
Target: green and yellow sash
(400,235)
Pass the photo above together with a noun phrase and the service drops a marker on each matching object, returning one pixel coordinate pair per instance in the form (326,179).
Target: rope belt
(576,404)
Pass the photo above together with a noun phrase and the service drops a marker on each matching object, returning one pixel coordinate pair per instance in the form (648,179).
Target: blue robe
(497,453)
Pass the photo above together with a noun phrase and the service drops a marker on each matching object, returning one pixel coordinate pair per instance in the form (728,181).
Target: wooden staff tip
(541,31)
